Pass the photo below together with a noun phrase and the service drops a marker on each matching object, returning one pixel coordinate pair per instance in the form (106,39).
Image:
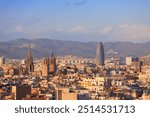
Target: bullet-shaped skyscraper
(99,54)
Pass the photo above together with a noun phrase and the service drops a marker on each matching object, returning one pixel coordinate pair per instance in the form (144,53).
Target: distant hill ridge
(44,47)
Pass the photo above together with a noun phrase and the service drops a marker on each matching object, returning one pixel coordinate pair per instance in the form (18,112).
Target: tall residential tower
(99,54)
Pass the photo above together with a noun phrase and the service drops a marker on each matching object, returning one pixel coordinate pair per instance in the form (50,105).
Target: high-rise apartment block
(131,59)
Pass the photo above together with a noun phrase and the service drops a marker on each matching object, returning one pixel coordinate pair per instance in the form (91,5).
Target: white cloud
(78,29)
(134,31)
(127,32)
(120,32)
(106,30)
(19,28)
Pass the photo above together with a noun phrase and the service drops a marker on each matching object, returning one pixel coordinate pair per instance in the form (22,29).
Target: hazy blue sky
(82,20)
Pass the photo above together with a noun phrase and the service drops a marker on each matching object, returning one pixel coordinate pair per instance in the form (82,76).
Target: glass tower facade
(99,54)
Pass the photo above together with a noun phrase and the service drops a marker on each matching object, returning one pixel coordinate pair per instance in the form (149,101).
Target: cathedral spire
(29,62)
(29,52)
(52,54)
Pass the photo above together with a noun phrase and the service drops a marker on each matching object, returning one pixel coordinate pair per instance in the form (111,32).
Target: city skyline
(74,78)
(81,20)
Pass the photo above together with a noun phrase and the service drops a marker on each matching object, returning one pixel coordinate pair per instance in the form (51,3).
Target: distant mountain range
(44,47)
